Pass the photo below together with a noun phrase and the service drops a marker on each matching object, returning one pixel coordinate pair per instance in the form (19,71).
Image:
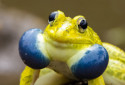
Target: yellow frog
(69,51)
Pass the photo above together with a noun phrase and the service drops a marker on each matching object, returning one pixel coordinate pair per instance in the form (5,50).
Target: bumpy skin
(115,72)
(70,54)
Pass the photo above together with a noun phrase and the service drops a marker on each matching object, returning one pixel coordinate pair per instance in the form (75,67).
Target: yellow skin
(63,35)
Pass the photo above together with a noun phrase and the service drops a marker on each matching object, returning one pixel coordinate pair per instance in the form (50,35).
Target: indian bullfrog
(69,50)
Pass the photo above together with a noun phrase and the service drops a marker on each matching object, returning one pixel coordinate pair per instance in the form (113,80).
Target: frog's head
(67,30)
(87,60)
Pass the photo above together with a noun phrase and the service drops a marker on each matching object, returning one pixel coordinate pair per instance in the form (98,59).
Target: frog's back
(115,72)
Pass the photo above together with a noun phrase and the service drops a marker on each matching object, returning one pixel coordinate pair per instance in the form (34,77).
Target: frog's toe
(31,49)
(89,63)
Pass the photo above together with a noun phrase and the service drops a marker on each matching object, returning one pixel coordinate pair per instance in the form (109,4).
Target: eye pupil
(52,16)
(83,24)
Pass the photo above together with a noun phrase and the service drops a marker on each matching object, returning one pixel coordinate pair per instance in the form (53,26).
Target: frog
(69,51)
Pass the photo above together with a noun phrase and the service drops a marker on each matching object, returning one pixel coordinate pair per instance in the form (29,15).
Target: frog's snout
(30,51)
(92,63)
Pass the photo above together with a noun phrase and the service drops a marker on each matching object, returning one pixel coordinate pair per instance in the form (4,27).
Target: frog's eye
(52,16)
(82,24)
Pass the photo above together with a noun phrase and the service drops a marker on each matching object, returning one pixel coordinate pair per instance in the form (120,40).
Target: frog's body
(72,49)
(115,72)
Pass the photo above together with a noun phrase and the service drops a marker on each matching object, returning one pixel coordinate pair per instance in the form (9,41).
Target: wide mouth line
(51,39)
(66,44)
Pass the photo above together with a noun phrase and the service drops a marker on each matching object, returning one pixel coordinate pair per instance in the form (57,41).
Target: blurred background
(106,17)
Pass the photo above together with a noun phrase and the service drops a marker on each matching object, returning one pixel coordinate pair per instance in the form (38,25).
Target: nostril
(92,63)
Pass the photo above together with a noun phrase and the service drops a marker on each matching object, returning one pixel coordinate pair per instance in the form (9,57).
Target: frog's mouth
(68,43)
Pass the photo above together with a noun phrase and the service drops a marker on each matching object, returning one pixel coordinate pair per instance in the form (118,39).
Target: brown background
(106,17)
